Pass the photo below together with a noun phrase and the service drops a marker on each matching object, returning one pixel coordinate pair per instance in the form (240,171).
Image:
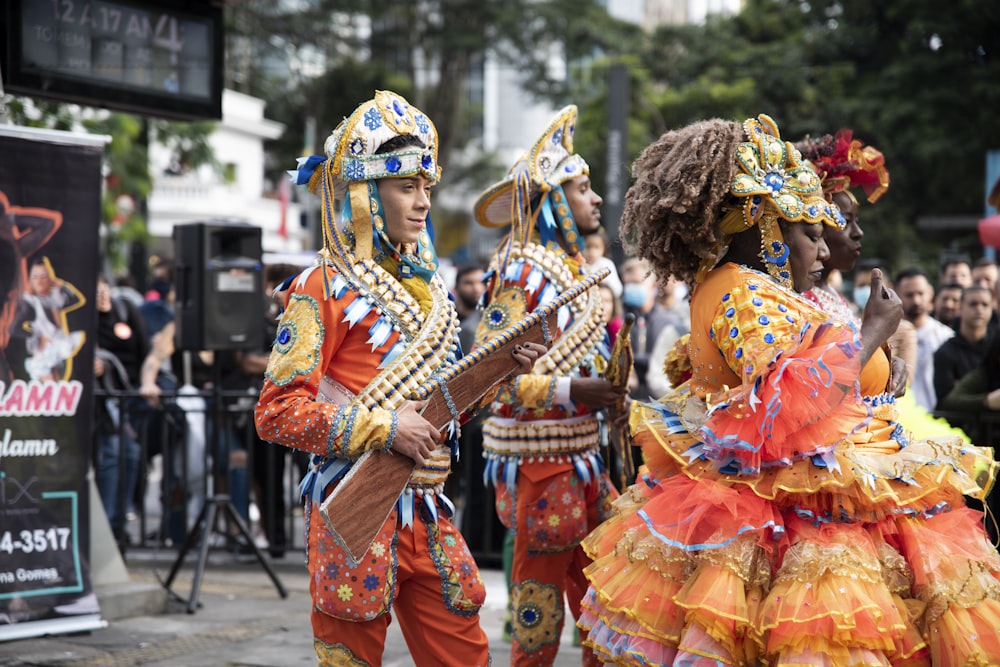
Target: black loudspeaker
(219,289)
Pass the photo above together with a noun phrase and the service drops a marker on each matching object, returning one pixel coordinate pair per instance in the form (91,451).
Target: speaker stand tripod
(216,502)
(202,531)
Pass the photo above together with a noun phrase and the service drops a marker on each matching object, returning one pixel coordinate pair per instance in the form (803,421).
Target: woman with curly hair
(780,518)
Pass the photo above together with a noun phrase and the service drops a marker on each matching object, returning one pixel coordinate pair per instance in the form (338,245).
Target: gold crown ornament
(773,182)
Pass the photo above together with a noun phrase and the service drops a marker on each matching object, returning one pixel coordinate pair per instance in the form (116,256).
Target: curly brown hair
(672,210)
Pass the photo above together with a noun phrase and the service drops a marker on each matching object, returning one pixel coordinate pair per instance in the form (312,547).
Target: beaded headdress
(772,183)
(349,170)
(843,162)
(541,171)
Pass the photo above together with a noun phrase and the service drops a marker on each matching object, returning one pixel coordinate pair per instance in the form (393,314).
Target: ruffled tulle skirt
(866,556)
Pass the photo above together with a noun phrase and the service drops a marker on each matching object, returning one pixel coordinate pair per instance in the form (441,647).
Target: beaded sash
(430,343)
(587,328)
(553,438)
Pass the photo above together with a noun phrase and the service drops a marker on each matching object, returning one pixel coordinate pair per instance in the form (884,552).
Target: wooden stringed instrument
(360,503)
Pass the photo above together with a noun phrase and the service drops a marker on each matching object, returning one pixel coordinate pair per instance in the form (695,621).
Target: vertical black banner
(617,155)
(50,199)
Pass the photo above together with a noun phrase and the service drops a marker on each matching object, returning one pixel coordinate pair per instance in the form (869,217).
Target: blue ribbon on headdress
(304,168)
(547,227)
(551,225)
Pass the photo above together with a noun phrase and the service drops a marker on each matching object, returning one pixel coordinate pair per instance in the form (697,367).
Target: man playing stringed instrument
(542,441)
(361,331)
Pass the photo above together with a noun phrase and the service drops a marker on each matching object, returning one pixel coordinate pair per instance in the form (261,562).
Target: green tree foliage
(917,82)
(924,91)
(911,77)
(188,143)
(425,51)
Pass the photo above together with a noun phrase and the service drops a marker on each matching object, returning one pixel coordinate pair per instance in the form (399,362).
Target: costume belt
(541,438)
(510,444)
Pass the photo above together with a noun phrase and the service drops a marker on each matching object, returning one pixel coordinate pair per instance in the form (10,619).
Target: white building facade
(236,192)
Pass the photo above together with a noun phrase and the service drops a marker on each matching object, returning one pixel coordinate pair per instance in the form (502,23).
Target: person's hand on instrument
(526,355)
(415,436)
(595,392)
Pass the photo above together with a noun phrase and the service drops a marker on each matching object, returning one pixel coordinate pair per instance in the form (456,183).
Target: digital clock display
(162,58)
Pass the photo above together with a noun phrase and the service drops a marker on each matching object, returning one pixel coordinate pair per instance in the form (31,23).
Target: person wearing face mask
(651,318)
(781,517)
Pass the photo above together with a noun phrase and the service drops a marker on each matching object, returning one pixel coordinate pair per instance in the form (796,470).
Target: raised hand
(880,318)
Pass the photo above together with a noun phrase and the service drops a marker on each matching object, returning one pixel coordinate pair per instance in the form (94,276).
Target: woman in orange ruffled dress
(780,518)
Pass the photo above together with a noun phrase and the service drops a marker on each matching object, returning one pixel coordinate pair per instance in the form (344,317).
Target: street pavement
(240,621)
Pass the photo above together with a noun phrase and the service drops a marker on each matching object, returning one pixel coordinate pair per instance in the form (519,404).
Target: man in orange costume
(542,441)
(361,330)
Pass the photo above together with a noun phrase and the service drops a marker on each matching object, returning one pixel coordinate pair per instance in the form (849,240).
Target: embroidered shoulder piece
(298,343)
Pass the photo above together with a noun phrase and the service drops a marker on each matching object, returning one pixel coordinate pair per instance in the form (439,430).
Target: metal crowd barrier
(190,471)
(166,429)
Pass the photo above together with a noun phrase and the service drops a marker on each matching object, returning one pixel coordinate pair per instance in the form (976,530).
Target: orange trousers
(435,636)
(543,584)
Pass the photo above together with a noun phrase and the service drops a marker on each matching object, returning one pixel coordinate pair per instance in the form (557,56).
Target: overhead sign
(156,58)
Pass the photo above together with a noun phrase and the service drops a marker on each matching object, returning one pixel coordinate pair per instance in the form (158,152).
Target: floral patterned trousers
(552,514)
(424,573)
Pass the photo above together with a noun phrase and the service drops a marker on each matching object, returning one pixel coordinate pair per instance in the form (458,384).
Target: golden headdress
(772,182)
(542,170)
(350,168)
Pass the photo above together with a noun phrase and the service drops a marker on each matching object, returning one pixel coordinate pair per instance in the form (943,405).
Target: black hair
(912,272)
(951,260)
(976,288)
(984,261)
(466,269)
(399,142)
